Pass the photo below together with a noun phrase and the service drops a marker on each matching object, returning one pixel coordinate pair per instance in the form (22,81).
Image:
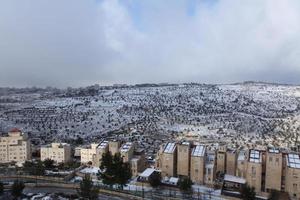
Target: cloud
(81,42)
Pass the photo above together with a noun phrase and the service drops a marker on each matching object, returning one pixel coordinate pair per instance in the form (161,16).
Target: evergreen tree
(87,189)
(114,170)
(155,179)
(1,188)
(185,184)
(247,192)
(17,189)
(48,163)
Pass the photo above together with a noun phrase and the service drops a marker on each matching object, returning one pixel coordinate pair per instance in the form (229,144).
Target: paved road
(65,191)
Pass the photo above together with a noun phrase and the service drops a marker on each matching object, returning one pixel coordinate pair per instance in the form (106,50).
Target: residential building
(254,170)
(292,176)
(169,160)
(15,146)
(210,168)
(231,161)
(241,164)
(183,159)
(273,170)
(197,164)
(114,147)
(221,159)
(127,151)
(59,152)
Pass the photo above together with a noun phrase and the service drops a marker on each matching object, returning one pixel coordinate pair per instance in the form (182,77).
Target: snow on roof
(255,156)
(103,145)
(125,147)
(293,160)
(170,147)
(185,143)
(234,179)
(90,170)
(273,150)
(147,172)
(174,180)
(198,151)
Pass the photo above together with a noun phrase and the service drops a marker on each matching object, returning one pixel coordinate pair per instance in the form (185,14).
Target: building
(292,176)
(183,159)
(127,151)
(221,159)
(210,169)
(231,161)
(87,154)
(59,152)
(100,150)
(241,164)
(15,147)
(273,170)
(197,164)
(254,170)
(137,165)
(114,147)
(169,160)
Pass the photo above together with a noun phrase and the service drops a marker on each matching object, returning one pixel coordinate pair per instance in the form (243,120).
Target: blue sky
(81,42)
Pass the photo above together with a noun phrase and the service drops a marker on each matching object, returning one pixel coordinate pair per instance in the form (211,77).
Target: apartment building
(114,146)
(127,151)
(87,154)
(59,152)
(292,176)
(254,170)
(210,168)
(183,159)
(231,161)
(241,164)
(15,147)
(102,148)
(169,160)
(273,170)
(197,164)
(221,159)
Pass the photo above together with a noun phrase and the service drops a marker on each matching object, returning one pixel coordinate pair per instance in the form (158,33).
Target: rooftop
(293,160)
(147,172)
(198,151)
(255,156)
(234,179)
(170,148)
(274,150)
(103,145)
(125,147)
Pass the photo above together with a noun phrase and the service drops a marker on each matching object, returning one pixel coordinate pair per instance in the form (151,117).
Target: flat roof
(198,151)
(274,150)
(103,145)
(125,147)
(293,160)
(234,179)
(147,172)
(255,156)
(170,147)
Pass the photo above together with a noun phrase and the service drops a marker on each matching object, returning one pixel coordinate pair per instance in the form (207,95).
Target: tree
(17,189)
(185,184)
(87,190)
(247,192)
(114,170)
(33,168)
(1,188)
(155,179)
(49,163)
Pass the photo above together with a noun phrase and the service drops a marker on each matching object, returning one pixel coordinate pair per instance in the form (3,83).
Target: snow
(90,170)
(234,179)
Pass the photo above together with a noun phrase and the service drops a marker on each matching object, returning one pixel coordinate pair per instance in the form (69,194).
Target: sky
(76,43)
